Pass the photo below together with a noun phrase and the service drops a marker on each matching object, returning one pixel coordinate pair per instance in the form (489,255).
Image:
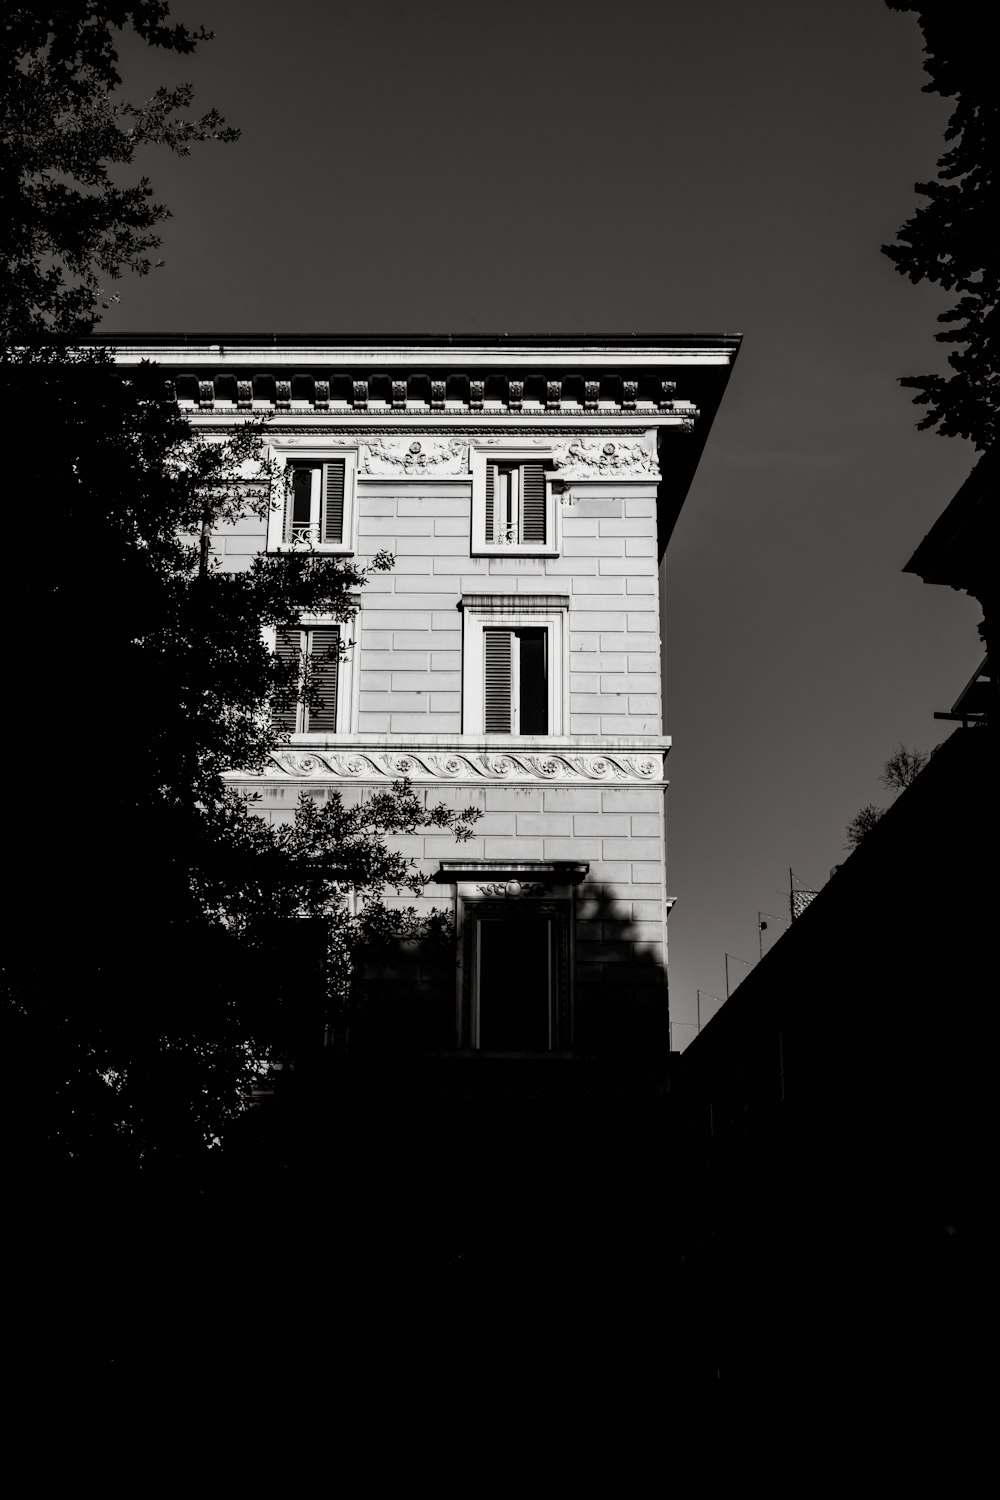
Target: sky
(652,166)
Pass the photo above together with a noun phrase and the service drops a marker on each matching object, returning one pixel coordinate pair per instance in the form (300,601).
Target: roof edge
(161,339)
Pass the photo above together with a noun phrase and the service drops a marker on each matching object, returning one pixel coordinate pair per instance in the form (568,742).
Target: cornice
(374,393)
(609,352)
(632,425)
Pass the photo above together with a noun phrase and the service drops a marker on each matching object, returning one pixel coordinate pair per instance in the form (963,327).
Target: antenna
(699,994)
(762,927)
(738,960)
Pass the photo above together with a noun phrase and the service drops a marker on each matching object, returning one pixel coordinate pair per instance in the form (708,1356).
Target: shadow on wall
(478,1167)
(472,1169)
(621,985)
(603,983)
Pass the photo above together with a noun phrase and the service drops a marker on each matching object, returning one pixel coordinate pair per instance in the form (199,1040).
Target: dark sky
(646,166)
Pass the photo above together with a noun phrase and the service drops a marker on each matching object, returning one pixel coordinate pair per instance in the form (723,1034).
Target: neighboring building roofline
(975,700)
(962,539)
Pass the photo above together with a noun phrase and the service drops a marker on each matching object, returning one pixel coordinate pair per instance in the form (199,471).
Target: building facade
(511,660)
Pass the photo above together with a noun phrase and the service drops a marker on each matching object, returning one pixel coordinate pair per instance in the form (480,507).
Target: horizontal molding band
(221,418)
(639,767)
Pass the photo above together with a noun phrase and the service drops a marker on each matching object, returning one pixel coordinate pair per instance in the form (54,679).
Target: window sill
(325,549)
(531,550)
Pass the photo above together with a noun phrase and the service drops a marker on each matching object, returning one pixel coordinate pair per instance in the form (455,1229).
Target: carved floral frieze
(604,458)
(382,455)
(561,766)
(513,890)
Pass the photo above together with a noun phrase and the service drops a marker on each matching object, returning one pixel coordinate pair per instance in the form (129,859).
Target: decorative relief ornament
(283,394)
(359,392)
(387,455)
(515,393)
(437,395)
(630,390)
(604,459)
(591,394)
(244,394)
(206,393)
(477,390)
(513,889)
(321,395)
(305,765)
(399,395)
(304,437)
(553,394)
(420,765)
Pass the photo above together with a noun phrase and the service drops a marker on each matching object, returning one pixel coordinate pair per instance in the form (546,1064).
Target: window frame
(511,454)
(557,906)
(345,675)
(510,612)
(276,517)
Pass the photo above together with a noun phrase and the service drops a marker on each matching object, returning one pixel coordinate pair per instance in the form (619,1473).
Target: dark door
(514,990)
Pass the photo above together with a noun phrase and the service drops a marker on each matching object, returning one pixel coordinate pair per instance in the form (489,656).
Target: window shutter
(333,501)
(497,681)
(287,646)
(491,474)
(532,503)
(286,529)
(324,676)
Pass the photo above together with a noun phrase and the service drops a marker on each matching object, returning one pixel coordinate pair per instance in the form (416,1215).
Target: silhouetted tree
(902,768)
(950,238)
(142,989)
(139,1002)
(67,220)
(862,824)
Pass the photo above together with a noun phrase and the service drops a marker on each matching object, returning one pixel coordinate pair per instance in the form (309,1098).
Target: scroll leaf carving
(386,455)
(463,765)
(604,458)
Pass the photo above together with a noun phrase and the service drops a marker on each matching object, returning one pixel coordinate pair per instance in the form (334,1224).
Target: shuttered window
(287,647)
(314,503)
(333,501)
(515,680)
(532,503)
(317,651)
(515,504)
(498,682)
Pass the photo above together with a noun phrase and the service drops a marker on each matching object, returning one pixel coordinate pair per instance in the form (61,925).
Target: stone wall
(592,795)
(410,627)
